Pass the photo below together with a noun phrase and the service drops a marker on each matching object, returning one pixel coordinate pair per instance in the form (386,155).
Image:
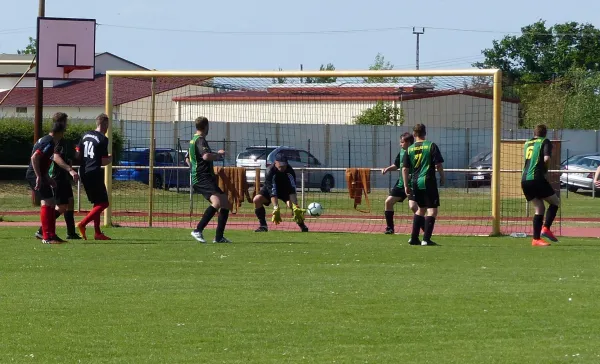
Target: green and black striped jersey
(535,150)
(201,169)
(421,159)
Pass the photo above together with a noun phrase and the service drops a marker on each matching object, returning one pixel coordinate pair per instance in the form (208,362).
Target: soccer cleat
(222,240)
(303,228)
(261,229)
(539,242)
(428,243)
(198,236)
(389,230)
(52,241)
(81,229)
(546,233)
(414,242)
(101,236)
(39,235)
(73,237)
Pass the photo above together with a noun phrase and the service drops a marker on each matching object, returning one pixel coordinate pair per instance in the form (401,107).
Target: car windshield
(483,156)
(133,156)
(255,153)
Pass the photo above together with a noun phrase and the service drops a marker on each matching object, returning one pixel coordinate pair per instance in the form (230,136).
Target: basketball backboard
(66,49)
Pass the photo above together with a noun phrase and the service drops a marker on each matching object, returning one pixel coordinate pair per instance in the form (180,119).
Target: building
(340,104)
(86,99)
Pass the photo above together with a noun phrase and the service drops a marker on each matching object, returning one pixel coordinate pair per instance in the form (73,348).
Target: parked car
(482,166)
(264,156)
(164,157)
(584,180)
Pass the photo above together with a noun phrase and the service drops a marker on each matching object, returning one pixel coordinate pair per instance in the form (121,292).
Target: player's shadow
(276,242)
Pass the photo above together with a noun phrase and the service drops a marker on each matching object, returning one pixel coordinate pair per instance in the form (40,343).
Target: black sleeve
(47,148)
(406,161)
(547,148)
(79,150)
(104,148)
(269,180)
(436,155)
(202,147)
(397,161)
(292,177)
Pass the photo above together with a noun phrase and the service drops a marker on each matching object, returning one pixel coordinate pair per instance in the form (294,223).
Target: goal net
(338,131)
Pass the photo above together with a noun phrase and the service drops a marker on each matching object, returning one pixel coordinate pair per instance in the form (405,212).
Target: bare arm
(597,177)
(107,160)
(35,163)
(405,174)
(213,156)
(389,169)
(440,169)
(275,201)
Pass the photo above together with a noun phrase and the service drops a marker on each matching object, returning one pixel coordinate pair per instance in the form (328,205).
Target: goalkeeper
(280,184)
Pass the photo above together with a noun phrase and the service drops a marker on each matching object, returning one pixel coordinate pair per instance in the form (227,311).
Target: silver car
(263,157)
(584,180)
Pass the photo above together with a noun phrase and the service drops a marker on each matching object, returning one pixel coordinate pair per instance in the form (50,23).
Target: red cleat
(101,236)
(539,242)
(81,229)
(546,233)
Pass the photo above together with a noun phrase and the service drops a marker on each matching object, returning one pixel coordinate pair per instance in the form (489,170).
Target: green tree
(31,47)
(380,64)
(383,113)
(543,53)
(280,79)
(329,67)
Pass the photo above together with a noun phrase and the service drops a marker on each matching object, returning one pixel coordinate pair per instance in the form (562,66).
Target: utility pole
(417,33)
(39,87)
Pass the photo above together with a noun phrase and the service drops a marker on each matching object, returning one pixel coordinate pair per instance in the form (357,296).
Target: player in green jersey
(397,193)
(535,186)
(204,182)
(421,160)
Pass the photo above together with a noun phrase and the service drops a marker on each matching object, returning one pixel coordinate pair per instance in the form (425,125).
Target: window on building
(21,110)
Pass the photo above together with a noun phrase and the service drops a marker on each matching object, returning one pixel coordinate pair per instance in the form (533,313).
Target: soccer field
(158,296)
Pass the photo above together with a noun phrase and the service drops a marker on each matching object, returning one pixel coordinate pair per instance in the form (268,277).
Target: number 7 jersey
(91,148)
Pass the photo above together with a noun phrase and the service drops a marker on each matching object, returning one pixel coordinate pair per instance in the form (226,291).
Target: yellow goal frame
(497,111)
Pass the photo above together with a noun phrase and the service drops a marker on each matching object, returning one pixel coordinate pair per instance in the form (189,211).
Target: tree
(280,79)
(329,67)
(381,114)
(380,64)
(31,47)
(543,53)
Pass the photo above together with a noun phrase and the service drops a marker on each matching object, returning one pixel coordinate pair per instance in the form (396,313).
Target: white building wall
(460,111)
(84,113)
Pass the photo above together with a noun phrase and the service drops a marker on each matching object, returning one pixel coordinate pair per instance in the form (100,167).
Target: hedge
(16,142)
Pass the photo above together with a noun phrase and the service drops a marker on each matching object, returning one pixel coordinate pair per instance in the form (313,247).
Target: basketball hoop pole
(39,100)
(39,89)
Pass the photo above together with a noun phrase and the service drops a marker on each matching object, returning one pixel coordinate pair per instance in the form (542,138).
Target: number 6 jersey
(91,148)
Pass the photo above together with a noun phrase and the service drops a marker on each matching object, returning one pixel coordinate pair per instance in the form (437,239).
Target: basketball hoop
(68,69)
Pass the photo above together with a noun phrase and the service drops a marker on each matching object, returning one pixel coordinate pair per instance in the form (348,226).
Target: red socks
(48,221)
(94,215)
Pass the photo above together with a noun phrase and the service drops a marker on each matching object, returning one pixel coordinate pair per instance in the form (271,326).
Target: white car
(584,180)
(263,157)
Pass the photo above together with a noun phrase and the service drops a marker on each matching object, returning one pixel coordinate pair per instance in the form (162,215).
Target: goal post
(448,81)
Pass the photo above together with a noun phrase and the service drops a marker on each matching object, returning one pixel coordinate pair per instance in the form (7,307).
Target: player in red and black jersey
(61,171)
(92,152)
(42,184)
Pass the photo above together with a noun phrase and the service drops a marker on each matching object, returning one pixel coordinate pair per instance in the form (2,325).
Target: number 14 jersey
(91,148)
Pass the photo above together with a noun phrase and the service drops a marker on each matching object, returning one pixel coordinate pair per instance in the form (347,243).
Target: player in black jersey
(535,186)
(42,184)
(204,182)
(280,184)
(421,160)
(92,152)
(63,191)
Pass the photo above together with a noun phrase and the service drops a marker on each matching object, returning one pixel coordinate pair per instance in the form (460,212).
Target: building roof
(92,93)
(356,95)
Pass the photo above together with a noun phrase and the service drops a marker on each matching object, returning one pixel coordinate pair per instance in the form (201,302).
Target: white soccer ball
(315,209)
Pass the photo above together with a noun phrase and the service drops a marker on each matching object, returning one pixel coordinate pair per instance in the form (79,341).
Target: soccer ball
(315,209)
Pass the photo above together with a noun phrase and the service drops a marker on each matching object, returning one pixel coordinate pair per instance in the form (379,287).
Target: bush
(16,143)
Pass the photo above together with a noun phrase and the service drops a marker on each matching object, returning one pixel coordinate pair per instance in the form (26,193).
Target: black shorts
(281,195)
(399,192)
(95,188)
(45,192)
(428,198)
(64,192)
(207,188)
(540,189)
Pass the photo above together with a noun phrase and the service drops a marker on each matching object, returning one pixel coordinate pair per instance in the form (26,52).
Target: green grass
(157,296)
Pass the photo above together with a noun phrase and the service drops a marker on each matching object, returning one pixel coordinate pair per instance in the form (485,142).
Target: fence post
(79,190)
(303,196)
(390,176)
(349,160)
(152,150)
(308,164)
(177,162)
